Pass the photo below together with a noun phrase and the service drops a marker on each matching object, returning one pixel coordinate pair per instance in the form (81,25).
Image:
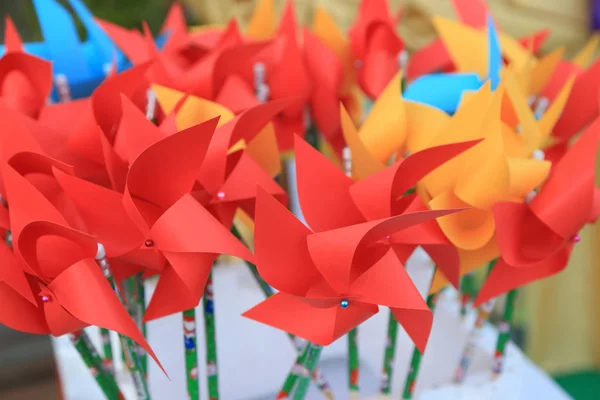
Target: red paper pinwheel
(536,239)
(25,80)
(170,185)
(70,290)
(331,281)
(583,103)
(334,200)
(376,46)
(327,72)
(134,44)
(284,75)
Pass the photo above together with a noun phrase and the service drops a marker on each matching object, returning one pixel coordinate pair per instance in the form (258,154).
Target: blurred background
(558,325)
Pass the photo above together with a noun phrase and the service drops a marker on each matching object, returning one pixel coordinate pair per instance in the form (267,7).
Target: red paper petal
(320,326)
(163,302)
(323,190)
(566,200)
(245,126)
(136,132)
(167,170)
(187,227)
(504,277)
(334,252)
(104,214)
(130,42)
(11,274)
(50,248)
(522,238)
(243,182)
(12,40)
(21,315)
(283,260)
(236,95)
(387,283)
(582,105)
(94,302)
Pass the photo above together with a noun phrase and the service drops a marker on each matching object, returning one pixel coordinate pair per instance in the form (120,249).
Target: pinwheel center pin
(45,299)
(220,195)
(149,243)
(576,238)
(344,303)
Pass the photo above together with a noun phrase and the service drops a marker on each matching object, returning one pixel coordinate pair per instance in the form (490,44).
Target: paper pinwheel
(376,47)
(25,80)
(582,105)
(438,56)
(82,65)
(261,144)
(69,288)
(480,177)
(279,72)
(331,281)
(138,47)
(536,239)
(172,184)
(378,193)
(455,84)
(328,60)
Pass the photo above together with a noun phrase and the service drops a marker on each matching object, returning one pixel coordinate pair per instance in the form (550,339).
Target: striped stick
(190,339)
(389,357)
(483,314)
(415,361)
(211,340)
(313,355)
(132,359)
(92,360)
(504,333)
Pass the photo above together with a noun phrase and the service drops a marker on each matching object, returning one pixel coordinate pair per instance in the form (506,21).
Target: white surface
(254,359)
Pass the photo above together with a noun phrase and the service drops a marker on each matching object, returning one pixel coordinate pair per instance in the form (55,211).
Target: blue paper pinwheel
(426,89)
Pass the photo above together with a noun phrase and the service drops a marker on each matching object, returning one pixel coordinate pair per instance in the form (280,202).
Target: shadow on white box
(254,359)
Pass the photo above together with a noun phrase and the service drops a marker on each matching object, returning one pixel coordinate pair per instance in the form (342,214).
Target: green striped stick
(504,332)
(108,351)
(131,355)
(297,369)
(318,376)
(211,340)
(467,289)
(415,361)
(353,363)
(483,314)
(313,355)
(92,360)
(190,340)
(389,357)
(140,304)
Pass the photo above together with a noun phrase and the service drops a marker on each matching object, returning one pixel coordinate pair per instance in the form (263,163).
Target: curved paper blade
(386,283)
(323,190)
(104,214)
(283,260)
(320,326)
(19,314)
(187,227)
(85,293)
(566,200)
(504,277)
(523,239)
(167,169)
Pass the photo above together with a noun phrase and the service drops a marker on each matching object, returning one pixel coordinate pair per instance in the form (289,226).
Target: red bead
(149,243)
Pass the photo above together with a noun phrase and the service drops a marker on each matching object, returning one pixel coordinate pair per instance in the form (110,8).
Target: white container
(254,359)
